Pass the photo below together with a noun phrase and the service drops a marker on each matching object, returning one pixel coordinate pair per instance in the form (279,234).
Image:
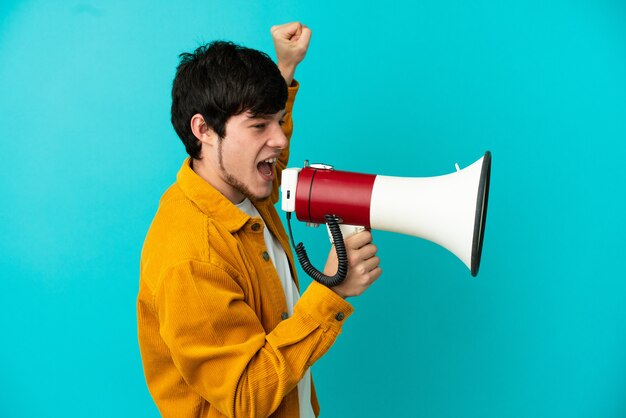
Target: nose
(277,138)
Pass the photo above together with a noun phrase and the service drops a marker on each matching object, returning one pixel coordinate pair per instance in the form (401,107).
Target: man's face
(246,156)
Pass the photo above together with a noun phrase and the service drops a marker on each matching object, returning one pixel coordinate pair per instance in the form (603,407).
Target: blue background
(398,88)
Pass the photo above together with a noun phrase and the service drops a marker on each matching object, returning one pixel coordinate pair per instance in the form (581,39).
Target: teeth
(270,160)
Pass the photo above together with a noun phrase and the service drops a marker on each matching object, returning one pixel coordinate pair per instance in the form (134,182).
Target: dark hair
(220,80)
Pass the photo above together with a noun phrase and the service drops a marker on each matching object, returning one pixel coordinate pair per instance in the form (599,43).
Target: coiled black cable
(340,248)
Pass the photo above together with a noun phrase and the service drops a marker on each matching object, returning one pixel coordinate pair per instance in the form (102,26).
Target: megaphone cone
(449,210)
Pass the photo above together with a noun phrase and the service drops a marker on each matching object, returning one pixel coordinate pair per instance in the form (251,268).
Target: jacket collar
(210,201)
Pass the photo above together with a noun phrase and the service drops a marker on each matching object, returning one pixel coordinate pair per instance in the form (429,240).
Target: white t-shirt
(281,263)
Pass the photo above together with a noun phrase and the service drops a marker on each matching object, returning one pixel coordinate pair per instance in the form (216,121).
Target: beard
(233,181)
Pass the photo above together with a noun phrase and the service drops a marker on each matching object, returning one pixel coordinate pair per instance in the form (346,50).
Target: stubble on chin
(233,181)
(241,188)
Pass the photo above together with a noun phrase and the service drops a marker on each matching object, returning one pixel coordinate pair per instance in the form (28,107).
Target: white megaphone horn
(449,210)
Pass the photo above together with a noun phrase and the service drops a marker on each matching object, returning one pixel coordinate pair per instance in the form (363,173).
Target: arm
(291,42)
(221,349)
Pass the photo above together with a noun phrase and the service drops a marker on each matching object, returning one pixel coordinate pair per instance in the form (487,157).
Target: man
(223,330)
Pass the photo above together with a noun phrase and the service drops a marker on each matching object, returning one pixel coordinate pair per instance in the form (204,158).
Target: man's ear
(201,131)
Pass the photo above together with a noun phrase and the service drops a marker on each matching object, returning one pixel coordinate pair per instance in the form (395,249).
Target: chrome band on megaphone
(449,210)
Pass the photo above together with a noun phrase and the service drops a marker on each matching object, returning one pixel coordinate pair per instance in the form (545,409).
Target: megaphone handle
(346,231)
(342,257)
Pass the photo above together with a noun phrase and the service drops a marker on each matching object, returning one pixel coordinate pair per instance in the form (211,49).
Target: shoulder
(181,232)
(178,229)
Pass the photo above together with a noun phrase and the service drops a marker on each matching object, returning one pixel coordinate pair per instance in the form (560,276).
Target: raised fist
(291,41)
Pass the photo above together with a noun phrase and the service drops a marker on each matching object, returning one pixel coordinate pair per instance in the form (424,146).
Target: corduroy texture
(210,307)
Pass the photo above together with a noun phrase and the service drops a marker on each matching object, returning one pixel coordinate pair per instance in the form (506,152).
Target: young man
(223,330)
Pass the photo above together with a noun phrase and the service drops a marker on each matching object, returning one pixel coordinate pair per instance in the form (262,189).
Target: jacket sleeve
(221,349)
(283,158)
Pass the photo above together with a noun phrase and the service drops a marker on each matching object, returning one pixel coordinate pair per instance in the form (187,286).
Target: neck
(208,173)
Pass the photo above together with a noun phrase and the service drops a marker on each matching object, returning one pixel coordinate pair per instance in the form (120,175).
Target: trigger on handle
(346,231)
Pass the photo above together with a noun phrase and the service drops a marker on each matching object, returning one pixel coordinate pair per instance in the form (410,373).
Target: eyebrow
(281,113)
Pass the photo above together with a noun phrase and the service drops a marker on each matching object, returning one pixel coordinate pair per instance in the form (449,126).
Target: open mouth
(266,168)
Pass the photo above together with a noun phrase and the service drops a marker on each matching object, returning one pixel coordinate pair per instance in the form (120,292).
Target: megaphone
(449,210)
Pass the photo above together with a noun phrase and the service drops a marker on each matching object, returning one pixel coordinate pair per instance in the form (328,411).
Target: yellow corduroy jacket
(214,334)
